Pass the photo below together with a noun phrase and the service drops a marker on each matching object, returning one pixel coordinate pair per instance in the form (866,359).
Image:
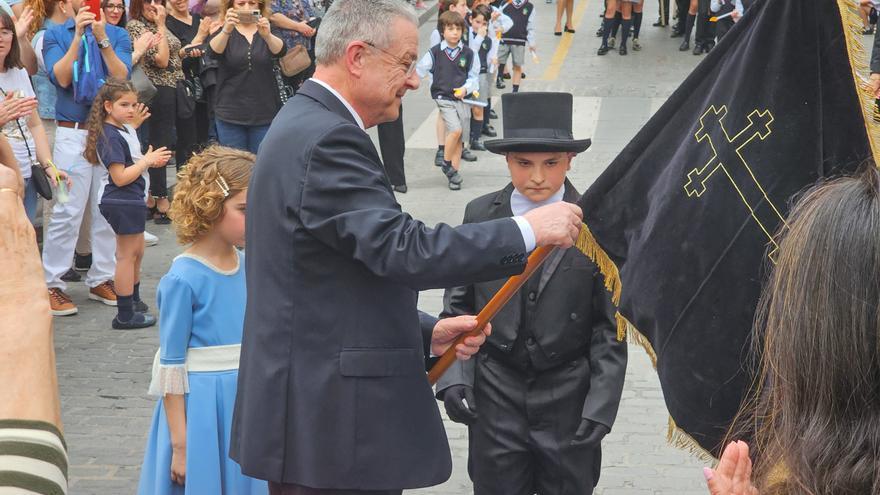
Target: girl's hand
(733,476)
(178,465)
(157,158)
(263,27)
(231,21)
(141,114)
(23,23)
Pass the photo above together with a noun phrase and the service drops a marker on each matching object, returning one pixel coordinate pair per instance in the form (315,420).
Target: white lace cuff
(169,379)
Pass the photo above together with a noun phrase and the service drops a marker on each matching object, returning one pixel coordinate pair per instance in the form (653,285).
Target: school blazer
(332,390)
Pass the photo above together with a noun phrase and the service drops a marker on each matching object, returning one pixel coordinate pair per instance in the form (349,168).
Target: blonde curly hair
(209,178)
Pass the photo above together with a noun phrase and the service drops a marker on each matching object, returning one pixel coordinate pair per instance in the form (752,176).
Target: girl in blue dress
(201,314)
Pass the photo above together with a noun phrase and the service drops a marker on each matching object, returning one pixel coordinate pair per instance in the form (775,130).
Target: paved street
(104,374)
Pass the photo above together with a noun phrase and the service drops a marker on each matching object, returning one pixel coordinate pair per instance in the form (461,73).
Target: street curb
(428,13)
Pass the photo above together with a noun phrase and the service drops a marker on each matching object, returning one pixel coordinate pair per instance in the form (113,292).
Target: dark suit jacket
(875,53)
(573,316)
(332,387)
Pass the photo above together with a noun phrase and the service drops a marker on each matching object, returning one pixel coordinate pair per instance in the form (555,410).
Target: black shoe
(500,84)
(868,31)
(603,50)
(659,23)
(452,175)
(622,50)
(676,33)
(140,307)
(708,47)
(467,156)
(505,75)
(139,320)
(557,33)
(698,48)
(82,262)
(71,276)
(477,146)
(492,114)
(600,31)
(685,46)
(569,30)
(438,158)
(523,75)
(401,189)
(489,131)
(161,218)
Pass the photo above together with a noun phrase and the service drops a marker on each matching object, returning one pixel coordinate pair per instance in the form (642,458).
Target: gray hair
(358,20)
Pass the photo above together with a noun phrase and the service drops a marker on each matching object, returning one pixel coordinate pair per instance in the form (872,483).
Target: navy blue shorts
(125,219)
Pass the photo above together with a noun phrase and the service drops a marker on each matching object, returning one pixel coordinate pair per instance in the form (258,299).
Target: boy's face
(477,21)
(460,7)
(452,35)
(538,175)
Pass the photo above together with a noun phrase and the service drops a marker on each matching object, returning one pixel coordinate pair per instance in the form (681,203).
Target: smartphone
(190,49)
(94,7)
(248,16)
(314,22)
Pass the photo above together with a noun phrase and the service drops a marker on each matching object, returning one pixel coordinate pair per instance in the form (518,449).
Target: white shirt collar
(444,45)
(345,102)
(520,205)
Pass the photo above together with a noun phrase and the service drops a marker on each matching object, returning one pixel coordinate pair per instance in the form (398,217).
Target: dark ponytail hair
(111,91)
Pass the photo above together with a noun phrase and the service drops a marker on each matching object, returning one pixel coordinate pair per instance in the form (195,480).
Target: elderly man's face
(389,73)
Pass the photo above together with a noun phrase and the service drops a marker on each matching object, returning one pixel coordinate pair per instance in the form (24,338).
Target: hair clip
(224,187)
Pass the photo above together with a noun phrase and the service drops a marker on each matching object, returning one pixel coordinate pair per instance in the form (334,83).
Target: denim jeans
(243,137)
(30,199)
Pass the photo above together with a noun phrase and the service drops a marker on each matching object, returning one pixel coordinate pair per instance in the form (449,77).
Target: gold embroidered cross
(726,157)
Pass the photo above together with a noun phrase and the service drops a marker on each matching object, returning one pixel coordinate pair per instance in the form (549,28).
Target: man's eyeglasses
(410,65)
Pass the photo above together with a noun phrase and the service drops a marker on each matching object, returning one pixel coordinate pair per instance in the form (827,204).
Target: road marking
(555,67)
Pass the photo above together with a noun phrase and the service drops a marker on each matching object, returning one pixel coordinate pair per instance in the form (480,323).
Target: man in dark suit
(333,397)
(548,382)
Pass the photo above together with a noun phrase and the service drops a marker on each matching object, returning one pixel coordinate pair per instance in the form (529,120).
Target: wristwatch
(104,43)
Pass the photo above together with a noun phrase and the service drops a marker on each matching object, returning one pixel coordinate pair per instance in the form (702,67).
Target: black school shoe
(467,156)
(492,114)
(139,320)
(500,84)
(489,131)
(71,276)
(438,158)
(622,50)
(603,50)
(477,146)
(140,307)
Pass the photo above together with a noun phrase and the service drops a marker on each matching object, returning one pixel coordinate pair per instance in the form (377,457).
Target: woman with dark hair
(247,96)
(814,421)
(163,66)
(114,12)
(26,135)
(190,29)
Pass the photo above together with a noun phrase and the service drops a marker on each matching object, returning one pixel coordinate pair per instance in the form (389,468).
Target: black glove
(456,409)
(590,432)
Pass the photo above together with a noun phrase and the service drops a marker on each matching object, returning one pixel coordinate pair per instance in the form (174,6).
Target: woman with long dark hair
(163,66)
(814,422)
(114,12)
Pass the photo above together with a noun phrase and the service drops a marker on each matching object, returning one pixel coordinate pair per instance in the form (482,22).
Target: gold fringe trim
(852,30)
(587,244)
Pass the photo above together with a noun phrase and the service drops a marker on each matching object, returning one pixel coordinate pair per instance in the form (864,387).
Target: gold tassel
(679,439)
(852,30)
(621,326)
(588,245)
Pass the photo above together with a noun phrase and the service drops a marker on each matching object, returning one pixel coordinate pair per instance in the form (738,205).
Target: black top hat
(537,122)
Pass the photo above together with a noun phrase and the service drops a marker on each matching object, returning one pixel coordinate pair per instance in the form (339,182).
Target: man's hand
(590,432)
(460,404)
(557,224)
(448,329)
(733,476)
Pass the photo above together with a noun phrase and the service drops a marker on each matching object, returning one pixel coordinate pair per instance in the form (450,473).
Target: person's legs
(503,54)
(519,60)
(127,247)
(392,146)
(163,110)
(30,199)
(441,141)
(637,23)
(560,8)
(232,135)
(569,12)
(607,21)
(60,236)
(187,139)
(255,135)
(626,13)
(103,238)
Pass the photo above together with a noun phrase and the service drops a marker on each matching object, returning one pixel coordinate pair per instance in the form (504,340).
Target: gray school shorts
(456,116)
(486,81)
(518,52)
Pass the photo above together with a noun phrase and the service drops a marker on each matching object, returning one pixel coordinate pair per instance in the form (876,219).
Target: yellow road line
(552,71)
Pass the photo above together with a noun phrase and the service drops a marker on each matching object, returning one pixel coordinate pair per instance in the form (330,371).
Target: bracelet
(8,189)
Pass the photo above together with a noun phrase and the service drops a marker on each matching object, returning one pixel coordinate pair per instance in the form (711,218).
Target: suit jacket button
(573,316)
(532,296)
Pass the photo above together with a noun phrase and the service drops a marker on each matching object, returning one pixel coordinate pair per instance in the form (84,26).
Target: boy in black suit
(548,381)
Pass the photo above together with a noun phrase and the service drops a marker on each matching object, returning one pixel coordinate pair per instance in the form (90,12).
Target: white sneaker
(150,239)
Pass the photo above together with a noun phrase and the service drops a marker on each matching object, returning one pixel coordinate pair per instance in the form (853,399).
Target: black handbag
(186,101)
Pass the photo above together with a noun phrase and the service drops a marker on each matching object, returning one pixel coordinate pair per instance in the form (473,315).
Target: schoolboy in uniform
(514,41)
(545,387)
(455,74)
(487,53)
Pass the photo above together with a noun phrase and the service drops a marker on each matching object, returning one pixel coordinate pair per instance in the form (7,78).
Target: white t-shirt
(18,80)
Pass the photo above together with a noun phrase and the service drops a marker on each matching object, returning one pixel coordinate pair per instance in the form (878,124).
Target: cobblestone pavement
(104,373)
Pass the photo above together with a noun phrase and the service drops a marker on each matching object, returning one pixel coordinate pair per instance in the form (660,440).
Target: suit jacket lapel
(571,196)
